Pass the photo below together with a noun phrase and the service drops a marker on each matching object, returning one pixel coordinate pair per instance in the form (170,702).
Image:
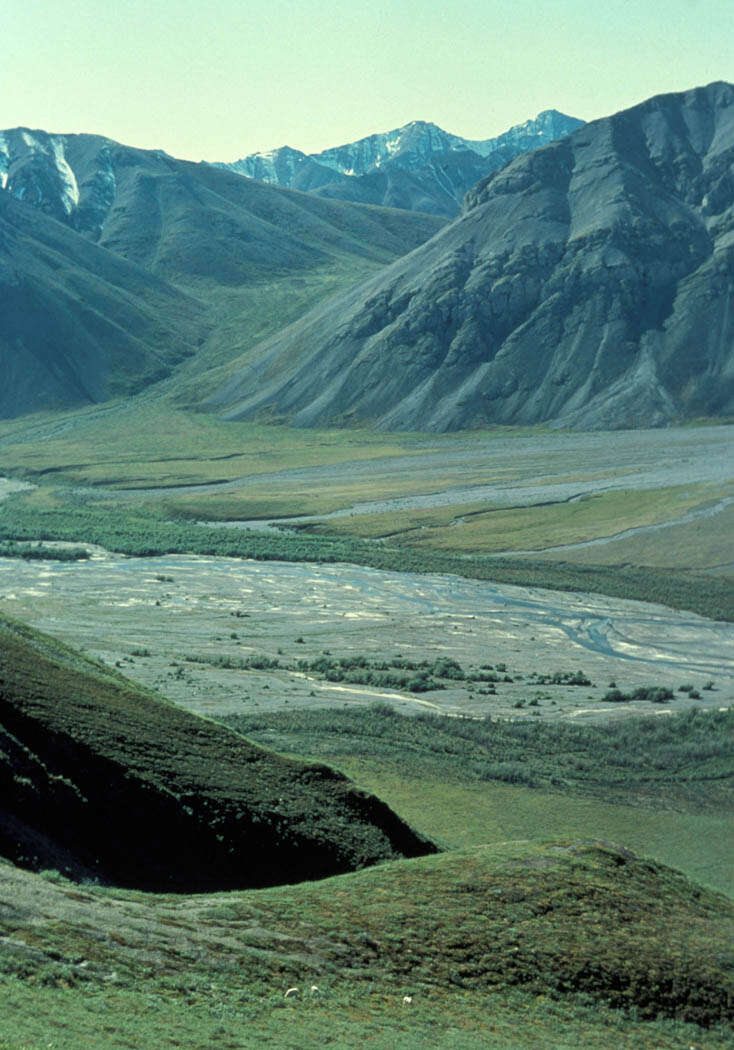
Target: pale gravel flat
(150,614)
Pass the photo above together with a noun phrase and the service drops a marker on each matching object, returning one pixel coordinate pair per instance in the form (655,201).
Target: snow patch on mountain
(69,186)
(4,161)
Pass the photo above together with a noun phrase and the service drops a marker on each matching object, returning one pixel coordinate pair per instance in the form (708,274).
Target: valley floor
(258,640)
(182,624)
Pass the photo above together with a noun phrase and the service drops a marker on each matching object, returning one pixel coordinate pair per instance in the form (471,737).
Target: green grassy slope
(559,919)
(100,777)
(516,945)
(663,786)
(104,1018)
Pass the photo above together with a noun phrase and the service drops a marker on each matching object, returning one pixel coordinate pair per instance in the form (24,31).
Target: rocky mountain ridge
(589,283)
(418,166)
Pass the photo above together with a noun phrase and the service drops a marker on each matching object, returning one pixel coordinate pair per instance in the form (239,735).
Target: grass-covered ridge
(559,919)
(101,778)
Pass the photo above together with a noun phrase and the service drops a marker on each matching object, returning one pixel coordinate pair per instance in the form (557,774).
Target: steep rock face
(72,178)
(419,166)
(590,282)
(285,167)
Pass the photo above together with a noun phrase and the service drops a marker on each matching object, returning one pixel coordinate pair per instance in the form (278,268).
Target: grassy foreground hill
(100,778)
(515,945)
(510,946)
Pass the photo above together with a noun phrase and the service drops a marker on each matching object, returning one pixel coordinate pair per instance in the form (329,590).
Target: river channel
(150,615)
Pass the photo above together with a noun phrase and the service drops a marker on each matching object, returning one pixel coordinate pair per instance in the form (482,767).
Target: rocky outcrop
(590,283)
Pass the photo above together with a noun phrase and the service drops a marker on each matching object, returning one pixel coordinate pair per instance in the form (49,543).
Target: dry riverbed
(150,615)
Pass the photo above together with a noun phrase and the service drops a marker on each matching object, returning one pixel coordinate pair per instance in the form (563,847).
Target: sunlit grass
(459,814)
(474,528)
(234,1018)
(705,544)
(153,444)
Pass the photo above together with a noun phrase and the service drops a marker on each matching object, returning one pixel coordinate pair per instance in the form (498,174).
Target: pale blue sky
(222,79)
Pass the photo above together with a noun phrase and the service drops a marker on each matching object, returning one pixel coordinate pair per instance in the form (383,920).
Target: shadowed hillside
(79,323)
(117,264)
(589,282)
(100,778)
(187,221)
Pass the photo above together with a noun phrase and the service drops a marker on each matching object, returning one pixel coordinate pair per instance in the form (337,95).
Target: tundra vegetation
(146,531)
(569,883)
(579,941)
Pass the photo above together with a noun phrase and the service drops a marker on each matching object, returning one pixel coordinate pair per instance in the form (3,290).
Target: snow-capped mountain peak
(34,167)
(426,167)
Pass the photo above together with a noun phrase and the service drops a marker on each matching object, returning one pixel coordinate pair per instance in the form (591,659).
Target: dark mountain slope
(92,231)
(436,186)
(80,324)
(183,220)
(99,777)
(589,282)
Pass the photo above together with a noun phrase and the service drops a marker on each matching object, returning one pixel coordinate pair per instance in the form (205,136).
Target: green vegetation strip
(143,533)
(684,760)
(37,552)
(397,673)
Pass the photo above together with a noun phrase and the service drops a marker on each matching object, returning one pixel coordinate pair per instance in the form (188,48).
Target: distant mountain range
(419,166)
(118,264)
(590,282)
